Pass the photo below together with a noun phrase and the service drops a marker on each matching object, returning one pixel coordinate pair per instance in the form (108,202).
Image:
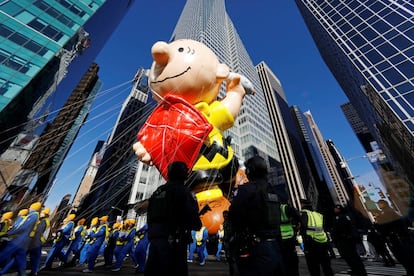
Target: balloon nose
(160,53)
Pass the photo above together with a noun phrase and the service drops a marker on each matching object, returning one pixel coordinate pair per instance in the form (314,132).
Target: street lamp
(116,208)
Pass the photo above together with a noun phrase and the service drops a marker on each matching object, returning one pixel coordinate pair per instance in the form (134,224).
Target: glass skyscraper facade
(369,47)
(40,45)
(209,23)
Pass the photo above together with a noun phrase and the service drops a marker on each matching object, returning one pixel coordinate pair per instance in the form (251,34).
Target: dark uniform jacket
(172,210)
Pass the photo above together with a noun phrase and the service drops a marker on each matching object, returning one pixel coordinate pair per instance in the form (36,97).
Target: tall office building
(116,173)
(358,126)
(45,47)
(321,197)
(329,166)
(292,157)
(368,46)
(209,23)
(37,172)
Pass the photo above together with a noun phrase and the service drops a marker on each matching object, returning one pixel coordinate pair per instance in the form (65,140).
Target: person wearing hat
(125,244)
(35,247)
(141,248)
(315,240)
(87,240)
(14,254)
(97,239)
(62,239)
(20,217)
(111,244)
(5,223)
(345,236)
(172,214)
(394,228)
(75,241)
(255,217)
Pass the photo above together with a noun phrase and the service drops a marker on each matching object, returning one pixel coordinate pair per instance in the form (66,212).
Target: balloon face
(212,219)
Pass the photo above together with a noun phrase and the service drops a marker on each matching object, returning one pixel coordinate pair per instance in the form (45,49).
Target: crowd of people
(260,234)
(71,245)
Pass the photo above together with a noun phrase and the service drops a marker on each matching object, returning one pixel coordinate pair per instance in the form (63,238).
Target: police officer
(289,223)
(345,236)
(315,240)
(255,217)
(172,214)
(395,230)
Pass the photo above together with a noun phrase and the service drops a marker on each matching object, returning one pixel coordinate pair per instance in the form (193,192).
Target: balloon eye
(181,49)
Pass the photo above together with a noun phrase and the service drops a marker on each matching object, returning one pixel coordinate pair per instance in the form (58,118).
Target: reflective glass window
(397,110)
(380,26)
(401,42)
(405,106)
(404,88)
(394,19)
(393,76)
(410,97)
(407,67)
(369,33)
(374,56)
(387,49)
(11,8)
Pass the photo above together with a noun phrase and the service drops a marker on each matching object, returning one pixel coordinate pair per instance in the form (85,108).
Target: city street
(216,268)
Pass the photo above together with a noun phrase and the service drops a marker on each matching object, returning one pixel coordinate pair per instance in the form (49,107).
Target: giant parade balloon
(187,125)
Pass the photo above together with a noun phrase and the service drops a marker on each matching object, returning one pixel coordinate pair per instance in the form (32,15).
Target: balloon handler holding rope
(188,123)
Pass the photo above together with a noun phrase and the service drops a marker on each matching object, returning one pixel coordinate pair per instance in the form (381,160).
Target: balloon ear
(222,71)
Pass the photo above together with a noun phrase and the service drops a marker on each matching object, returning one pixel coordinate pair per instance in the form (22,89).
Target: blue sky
(272,31)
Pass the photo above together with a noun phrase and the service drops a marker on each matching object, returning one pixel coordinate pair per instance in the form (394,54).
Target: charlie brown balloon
(188,123)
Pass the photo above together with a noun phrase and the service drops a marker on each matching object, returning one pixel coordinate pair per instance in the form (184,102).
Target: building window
(14,62)
(46,29)
(54,13)
(21,40)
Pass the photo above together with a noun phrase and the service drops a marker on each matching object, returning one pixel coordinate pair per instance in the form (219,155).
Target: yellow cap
(7,215)
(70,217)
(209,194)
(104,218)
(94,221)
(46,211)
(36,206)
(23,212)
(116,225)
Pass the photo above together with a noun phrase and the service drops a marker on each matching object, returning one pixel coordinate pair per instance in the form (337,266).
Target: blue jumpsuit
(86,241)
(98,238)
(75,243)
(15,251)
(201,245)
(141,250)
(126,248)
(58,245)
(35,249)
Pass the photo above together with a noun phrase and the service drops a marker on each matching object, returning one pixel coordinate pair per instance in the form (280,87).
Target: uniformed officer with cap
(172,214)
(255,217)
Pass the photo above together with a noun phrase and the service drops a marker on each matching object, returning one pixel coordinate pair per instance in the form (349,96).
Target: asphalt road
(220,268)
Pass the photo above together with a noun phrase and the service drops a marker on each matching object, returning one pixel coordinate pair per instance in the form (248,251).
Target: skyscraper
(37,172)
(285,134)
(118,166)
(45,47)
(368,46)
